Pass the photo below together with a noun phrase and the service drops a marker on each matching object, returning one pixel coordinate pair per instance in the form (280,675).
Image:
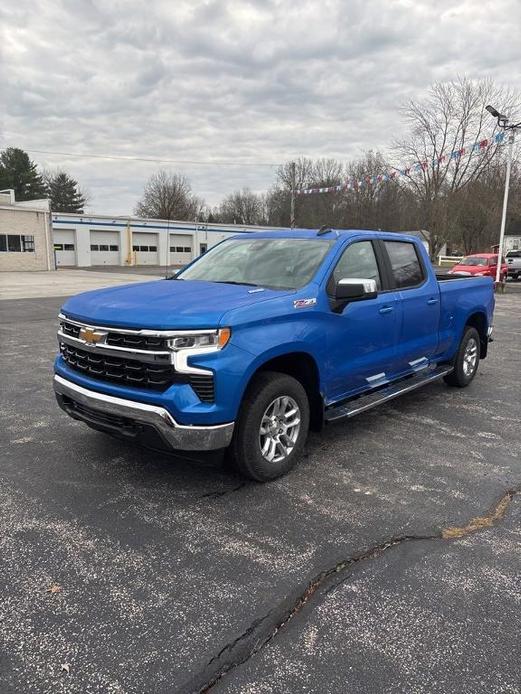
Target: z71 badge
(304,303)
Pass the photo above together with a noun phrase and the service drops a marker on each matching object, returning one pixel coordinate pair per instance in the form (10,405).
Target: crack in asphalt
(223,492)
(264,629)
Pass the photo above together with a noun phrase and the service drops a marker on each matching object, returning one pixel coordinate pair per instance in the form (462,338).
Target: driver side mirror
(355,289)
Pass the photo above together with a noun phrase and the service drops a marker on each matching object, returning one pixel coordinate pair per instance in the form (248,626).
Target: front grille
(70,329)
(136,341)
(128,372)
(115,339)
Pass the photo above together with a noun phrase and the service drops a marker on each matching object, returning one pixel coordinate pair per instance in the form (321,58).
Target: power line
(149,159)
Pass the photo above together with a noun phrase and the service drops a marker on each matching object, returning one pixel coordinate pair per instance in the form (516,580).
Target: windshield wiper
(246,284)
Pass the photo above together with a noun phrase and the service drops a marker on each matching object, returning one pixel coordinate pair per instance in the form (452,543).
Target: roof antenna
(324,229)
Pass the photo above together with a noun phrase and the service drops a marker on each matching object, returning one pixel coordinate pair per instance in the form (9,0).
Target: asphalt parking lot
(123,570)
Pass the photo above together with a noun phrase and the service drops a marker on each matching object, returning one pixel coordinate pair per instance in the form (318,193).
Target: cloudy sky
(250,84)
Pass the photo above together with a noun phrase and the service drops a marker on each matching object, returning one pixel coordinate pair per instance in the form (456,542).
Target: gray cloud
(231,80)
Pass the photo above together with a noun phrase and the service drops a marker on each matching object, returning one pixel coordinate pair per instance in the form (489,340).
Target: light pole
(505,124)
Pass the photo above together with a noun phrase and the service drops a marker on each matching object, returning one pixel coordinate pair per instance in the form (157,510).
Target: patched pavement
(174,575)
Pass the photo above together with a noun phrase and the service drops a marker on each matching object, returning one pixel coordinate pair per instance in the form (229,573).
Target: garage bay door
(104,248)
(180,249)
(64,246)
(145,246)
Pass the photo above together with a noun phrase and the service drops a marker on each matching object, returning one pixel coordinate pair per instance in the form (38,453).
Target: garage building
(97,240)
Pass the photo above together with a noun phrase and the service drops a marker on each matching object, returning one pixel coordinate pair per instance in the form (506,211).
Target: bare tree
(452,119)
(378,204)
(303,174)
(477,208)
(242,207)
(362,207)
(169,196)
(308,173)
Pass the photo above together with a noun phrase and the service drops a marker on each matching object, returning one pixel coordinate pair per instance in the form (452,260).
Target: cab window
(358,260)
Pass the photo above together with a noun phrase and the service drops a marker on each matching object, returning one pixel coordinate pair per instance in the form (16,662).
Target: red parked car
(480,264)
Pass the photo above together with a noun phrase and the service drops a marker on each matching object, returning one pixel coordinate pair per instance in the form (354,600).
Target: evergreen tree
(19,172)
(64,192)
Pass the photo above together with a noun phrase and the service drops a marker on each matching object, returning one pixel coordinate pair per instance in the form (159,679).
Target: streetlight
(505,124)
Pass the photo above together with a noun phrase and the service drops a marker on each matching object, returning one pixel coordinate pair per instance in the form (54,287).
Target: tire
(266,415)
(466,361)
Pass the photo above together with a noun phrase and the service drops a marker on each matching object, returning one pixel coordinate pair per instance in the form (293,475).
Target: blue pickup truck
(265,336)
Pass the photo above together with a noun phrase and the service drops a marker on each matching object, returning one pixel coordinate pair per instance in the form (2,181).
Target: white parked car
(513,259)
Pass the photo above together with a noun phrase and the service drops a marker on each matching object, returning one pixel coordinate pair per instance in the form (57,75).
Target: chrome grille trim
(129,331)
(144,355)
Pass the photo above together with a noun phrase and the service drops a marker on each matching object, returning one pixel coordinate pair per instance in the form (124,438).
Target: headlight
(205,339)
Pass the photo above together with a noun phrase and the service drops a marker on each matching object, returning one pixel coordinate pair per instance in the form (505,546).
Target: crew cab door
(419,296)
(360,349)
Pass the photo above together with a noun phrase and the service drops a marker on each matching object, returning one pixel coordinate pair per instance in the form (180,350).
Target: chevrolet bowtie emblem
(92,337)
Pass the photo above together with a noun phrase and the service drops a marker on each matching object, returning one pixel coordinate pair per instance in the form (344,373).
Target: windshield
(276,263)
(473,260)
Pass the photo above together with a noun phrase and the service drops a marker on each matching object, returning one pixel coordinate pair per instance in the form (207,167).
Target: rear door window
(406,267)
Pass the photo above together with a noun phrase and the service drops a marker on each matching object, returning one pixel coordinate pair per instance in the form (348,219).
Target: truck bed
(460,295)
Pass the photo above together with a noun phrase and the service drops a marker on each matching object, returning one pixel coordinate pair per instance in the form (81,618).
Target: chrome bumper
(176,436)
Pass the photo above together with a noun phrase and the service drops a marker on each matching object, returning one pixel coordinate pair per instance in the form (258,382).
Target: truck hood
(165,304)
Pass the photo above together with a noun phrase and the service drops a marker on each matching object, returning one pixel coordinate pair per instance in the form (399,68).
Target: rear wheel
(272,427)
(467,360)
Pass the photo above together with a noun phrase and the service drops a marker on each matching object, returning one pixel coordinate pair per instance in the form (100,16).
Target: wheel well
(479,321)
(304,369)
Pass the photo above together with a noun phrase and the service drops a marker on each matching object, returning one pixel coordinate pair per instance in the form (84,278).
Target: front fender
(258,342)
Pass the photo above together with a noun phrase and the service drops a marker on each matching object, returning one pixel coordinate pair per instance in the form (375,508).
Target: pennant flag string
(417,167)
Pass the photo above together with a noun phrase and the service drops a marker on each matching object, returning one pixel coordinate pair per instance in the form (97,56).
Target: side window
(405,264)
(358,260)
(14,243)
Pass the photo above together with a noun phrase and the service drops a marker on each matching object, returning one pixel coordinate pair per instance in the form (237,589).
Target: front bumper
(136,419)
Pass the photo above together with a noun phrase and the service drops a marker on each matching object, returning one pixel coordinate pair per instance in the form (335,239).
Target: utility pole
(293,184)
(505,206)
(504,123)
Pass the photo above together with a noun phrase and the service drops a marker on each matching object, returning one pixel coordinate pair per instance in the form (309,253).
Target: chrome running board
(366,401)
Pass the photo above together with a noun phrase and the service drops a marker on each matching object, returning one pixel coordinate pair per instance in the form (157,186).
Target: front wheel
(272,427)
(467,360)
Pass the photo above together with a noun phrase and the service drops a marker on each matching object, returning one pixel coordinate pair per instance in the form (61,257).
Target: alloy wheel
(279,429)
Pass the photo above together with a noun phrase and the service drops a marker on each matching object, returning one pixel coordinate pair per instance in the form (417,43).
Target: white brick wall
(16,220)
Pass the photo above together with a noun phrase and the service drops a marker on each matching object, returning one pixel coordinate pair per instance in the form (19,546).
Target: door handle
(385,309)
(431,302)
